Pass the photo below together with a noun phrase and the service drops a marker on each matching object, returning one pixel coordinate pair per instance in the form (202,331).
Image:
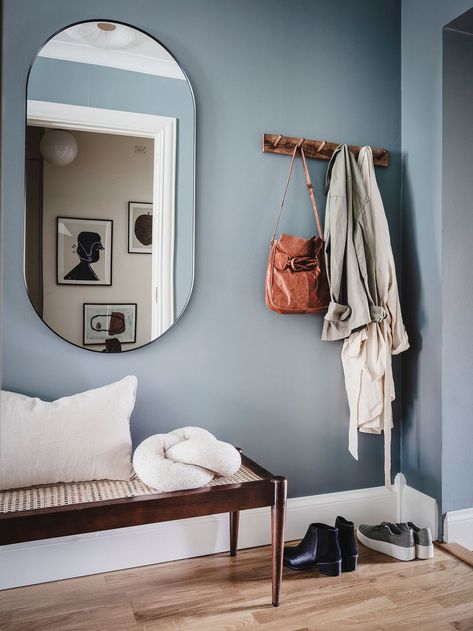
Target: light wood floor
(218,593)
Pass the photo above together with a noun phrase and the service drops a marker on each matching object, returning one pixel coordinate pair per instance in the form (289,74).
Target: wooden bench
(68,509)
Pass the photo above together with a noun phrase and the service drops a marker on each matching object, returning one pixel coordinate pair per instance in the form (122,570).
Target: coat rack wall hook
(278,143)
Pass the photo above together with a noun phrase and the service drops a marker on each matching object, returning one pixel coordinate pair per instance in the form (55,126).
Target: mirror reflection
(109,187)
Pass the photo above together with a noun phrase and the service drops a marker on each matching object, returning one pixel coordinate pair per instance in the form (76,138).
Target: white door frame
(162,129)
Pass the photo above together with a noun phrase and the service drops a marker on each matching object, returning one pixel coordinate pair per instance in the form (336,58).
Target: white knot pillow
(199,447)
(186,458)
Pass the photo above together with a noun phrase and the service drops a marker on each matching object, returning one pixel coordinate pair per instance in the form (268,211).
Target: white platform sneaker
(422,539)
(388,539)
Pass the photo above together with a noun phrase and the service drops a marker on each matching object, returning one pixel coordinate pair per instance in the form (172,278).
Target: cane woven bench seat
(54,495)
(60,510)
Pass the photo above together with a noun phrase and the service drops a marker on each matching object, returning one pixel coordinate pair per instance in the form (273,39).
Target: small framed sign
(84,251)
(103,321)
(140,228)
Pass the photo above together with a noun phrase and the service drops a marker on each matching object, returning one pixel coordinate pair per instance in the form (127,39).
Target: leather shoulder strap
(309,187)
(291,166)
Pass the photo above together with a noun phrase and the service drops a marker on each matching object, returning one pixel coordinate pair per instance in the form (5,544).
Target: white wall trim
(416,506)
(121,59)
(164,198)
(81,555)
(162,129)
(458,527)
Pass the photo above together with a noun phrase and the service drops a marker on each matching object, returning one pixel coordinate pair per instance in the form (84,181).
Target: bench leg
(234,523)
(278,514)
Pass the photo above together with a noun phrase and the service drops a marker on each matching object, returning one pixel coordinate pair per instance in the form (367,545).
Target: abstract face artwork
(84,251)
(88,250)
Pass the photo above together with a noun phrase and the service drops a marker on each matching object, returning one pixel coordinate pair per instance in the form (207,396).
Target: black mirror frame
(191,288)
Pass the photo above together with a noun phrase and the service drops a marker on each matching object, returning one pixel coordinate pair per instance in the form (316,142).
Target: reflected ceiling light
(106,35)
(58,147)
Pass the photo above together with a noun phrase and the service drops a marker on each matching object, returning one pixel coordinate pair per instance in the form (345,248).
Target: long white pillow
(77,438)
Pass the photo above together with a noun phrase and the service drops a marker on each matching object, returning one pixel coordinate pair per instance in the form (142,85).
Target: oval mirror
(109,220)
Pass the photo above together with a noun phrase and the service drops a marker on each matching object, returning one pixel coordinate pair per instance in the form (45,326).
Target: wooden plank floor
(219,593)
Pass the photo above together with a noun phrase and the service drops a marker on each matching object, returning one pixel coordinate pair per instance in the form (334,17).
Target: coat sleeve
(365,245)
(400,340)
(389,297)
(338,313)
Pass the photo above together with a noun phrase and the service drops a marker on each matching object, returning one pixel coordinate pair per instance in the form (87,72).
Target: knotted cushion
(186,458)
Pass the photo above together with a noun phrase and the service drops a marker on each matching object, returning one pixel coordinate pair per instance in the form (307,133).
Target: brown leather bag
(296,281)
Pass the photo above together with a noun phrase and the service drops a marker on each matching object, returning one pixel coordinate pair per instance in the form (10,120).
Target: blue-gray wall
(422,24)
(315,68)
(457,295)
(98,86)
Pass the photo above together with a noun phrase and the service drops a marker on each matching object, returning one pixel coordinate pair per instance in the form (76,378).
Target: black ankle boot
(348,547)
(329,556)
(302,556)
(319,548)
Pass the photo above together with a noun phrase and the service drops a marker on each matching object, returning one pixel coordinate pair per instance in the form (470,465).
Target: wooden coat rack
(318,149)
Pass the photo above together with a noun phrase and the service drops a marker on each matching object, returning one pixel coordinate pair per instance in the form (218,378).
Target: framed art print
(140,228)
(104,320)
(84,251)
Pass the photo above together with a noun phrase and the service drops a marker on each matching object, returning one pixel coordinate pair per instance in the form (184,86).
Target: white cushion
(184,459)
(73,439)
(155,470)
(199,447)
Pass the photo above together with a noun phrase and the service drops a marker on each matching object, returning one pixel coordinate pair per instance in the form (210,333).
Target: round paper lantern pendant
(58,147)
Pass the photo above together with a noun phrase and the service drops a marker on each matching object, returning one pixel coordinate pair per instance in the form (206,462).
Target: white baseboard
(458,527)
(80,555)
(416,506)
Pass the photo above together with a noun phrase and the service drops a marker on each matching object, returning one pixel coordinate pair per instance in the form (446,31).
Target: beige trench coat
(366,353)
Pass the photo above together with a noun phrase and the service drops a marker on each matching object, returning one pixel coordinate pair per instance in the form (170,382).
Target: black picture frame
(110,305)
(93,223)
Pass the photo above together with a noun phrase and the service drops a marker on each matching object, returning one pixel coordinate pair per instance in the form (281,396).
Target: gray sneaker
(422,539)
(388,539)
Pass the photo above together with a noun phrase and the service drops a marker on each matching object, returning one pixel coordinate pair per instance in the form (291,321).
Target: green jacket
(349,250)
